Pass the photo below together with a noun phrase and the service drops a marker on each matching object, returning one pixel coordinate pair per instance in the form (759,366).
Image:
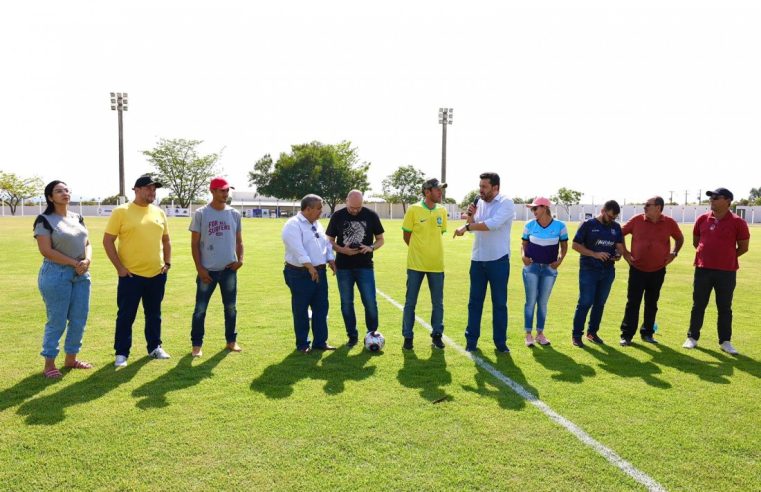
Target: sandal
(53,373)
(79,364)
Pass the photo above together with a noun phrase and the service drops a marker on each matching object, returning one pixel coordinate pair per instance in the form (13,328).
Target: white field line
(604,451)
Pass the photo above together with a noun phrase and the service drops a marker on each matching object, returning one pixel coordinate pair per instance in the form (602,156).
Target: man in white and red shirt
(720,237)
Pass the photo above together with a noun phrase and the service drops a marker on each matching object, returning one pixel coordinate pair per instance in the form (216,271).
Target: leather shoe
(325,347)
(649,339)
(305,350)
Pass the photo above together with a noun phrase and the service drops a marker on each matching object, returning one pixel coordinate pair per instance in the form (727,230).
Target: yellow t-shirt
(426,248)
(139,231)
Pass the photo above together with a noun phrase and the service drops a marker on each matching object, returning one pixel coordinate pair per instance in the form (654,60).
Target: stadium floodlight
(119,103)
(445,119)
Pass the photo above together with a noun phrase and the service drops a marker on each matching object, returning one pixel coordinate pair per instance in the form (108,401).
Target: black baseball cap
(721,192)
(433,183)
(146,180)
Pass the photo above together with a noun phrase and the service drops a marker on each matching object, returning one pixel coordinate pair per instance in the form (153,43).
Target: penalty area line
(611,456)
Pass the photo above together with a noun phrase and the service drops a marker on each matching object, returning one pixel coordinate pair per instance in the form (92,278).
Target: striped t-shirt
(543,242)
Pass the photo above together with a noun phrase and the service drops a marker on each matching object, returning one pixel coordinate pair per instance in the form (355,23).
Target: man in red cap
(720,237)
(217,246)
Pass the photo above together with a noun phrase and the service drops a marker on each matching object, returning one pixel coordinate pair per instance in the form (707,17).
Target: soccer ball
(374,341)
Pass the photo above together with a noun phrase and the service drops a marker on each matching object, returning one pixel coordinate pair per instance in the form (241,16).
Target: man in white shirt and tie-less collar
(490,219)
(307,253)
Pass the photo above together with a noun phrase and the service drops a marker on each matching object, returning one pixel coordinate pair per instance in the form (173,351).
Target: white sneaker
(728,348)
(121,361)
(690,343)
(159,353)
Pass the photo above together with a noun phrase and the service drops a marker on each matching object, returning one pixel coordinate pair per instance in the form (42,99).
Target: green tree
(566,197)
(110,200)
(328,170)
(403,186)
(181,169)
(754,198)
(468,199)
(14,189)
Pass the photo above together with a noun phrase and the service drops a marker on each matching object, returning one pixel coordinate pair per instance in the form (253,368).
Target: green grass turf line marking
(604,451)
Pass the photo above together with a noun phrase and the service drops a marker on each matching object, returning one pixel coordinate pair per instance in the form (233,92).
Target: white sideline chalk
(604,451)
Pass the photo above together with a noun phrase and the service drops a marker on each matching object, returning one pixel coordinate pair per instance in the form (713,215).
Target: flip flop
(80,364)
(53,373)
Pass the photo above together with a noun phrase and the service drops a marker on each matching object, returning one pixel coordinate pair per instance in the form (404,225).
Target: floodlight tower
(119,104)
(445,119)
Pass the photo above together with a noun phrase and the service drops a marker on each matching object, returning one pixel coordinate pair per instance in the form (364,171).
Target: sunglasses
(316,234)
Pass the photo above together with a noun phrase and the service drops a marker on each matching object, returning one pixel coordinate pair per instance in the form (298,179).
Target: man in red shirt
(650,253)
(719,237)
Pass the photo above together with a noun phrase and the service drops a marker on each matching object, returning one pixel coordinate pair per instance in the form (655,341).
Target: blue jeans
(594,287)
(436,286)
(365,280)
(306,293)
(129,293)
(538,280)
(495,273)
(67,298)
(228,287)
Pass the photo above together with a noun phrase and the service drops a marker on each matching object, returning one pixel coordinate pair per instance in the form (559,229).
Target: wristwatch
(467,227)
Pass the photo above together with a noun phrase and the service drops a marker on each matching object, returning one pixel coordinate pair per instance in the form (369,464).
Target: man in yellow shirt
(424,224)
(142,261)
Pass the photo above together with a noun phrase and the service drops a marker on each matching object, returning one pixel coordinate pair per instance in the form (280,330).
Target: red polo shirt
(651,244)
(718,241)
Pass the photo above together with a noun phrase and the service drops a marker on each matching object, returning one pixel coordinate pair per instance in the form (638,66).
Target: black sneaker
(352,341)
(649,339)
(577,342)
(592,337)
(407,344)
(436,340)
(503,350)
(624,342)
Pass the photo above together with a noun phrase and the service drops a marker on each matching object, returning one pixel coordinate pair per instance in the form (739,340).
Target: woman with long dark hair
(64,278)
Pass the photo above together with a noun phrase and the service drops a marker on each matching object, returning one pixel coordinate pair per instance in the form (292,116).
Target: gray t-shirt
(218,229)
(68,237)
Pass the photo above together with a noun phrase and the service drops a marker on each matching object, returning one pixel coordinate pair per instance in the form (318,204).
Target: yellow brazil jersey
(426,248)
(139,231)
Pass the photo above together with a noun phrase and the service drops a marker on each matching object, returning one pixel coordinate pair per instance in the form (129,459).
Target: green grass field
(270,418)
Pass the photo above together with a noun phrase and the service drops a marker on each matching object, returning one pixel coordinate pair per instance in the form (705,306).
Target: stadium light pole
(445,119)
(119,104)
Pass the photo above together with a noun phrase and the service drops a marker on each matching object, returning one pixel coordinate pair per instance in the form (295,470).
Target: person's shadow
(563,367)
(666,356)
(740,362)
(24,390)
(50,409)
(277,380)
(511,393)
(430,375)
(182,376)
(625,366)
(339,367)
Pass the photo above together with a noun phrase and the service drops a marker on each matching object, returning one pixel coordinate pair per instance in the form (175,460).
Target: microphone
(475,203)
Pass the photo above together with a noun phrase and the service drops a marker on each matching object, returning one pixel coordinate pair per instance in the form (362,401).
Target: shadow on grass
(339,367)
(740,362)
(666,356)
(563,367)
(488,385)
(277,381)
(429,375)
(50,409)
(182,376)
(24,390)
(618,363)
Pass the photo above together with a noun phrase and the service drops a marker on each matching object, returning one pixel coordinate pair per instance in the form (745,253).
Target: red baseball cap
(220,184)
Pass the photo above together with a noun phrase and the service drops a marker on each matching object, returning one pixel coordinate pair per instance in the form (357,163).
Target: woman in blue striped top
(544,245)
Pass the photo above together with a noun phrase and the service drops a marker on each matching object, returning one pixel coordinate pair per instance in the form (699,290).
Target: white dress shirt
(498,216)
(305,242)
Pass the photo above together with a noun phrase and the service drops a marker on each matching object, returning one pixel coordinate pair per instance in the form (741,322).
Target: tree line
(329,170)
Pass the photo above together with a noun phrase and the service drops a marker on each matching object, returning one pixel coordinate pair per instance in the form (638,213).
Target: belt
(294,267)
